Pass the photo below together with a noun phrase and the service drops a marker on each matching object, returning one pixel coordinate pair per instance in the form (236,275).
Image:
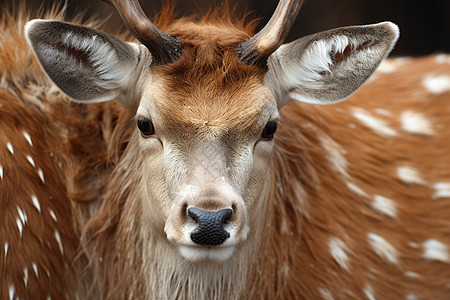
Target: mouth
(206,254)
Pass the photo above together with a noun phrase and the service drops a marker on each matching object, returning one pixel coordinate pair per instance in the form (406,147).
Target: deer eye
(269,131)
(146,127)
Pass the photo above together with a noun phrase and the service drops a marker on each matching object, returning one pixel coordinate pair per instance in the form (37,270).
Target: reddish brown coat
(328,168)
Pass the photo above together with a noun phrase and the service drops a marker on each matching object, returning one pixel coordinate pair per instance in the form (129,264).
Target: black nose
(210,231)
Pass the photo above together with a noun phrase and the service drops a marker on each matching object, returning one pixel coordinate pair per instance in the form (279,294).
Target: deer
(199,160)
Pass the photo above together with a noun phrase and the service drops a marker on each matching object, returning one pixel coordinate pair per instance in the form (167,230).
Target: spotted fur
(338,217)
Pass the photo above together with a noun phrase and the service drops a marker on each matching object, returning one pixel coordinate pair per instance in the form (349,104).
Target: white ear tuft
(318,61)
(86,64)
(328,67)
(111,71)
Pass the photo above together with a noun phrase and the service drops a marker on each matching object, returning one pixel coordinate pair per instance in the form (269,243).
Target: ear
(86,64)
(329,66)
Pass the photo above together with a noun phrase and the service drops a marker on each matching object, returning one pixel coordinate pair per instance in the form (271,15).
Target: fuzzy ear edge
(86,64)
(329,66)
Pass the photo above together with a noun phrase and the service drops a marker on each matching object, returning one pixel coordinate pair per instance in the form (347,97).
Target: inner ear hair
(86,64)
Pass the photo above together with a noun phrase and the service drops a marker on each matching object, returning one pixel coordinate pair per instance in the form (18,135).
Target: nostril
(227,215)
(192,213)
(210,230)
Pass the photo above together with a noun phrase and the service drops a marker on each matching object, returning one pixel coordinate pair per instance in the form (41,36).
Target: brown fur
(89,157)
(332,210)
(209,61)
(73,145)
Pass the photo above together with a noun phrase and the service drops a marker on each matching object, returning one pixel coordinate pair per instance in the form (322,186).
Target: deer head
(207,112)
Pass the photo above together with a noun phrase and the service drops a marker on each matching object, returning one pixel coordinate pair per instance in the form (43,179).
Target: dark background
(424,24)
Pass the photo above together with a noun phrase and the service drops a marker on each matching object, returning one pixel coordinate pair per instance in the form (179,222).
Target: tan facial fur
(206,155)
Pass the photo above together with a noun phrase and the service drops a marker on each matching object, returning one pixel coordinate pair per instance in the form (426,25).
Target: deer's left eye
(269,131)
(146,127)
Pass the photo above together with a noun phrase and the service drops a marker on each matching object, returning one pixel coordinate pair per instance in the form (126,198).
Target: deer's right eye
(146,127)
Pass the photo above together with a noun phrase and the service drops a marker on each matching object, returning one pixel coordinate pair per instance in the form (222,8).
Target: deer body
(349,201)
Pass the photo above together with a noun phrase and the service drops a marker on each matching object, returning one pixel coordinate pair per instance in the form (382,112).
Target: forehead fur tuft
(209,83)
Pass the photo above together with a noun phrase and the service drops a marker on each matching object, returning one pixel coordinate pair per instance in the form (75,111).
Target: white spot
(41,175)
(437,84)
(58,240)
(52,214)
(435,250)
(368,291)
(36,204)
(22,215)
(442,59)
(35,269)
(442,190)
(12,291)
(383,248)
(339,252)
(326,294)
(356,189)
(409,175)
(416,123)
(28,138)
(411,274)
(414,245)
(6,249)
(1,172)
(19,226)
(10,148)
(385,206)
(387,67)
(205,123)
(335,155)
(25,276)
(411,297)
(31,161)
(383,112)
(377,125)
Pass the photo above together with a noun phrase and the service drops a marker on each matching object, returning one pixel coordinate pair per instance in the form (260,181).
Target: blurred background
(424,24)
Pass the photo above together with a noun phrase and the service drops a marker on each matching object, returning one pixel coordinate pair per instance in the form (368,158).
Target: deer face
(207,147)
(205,123)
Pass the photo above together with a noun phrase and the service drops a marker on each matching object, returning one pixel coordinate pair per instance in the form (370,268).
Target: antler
(164,48)
(257,49)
